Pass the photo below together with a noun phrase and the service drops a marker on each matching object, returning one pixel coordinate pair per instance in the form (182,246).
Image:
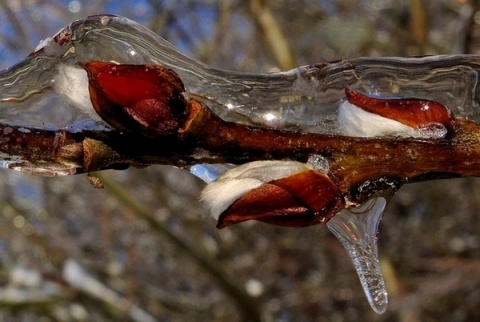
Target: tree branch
(361,167)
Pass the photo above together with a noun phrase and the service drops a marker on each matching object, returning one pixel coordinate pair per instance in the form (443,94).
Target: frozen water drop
(318,162)
(432,131)
(357,230)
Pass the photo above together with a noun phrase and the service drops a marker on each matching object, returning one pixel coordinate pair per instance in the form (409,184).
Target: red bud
(413,112)
(266,201)
(141,99)
(302,199)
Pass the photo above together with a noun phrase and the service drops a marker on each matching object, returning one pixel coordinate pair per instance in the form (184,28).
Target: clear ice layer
(357,230)
(304,98)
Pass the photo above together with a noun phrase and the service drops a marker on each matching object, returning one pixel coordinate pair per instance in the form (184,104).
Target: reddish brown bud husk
(413,112)
(303,199)
(140,99)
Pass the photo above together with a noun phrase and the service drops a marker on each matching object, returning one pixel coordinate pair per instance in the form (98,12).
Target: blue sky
(45,18)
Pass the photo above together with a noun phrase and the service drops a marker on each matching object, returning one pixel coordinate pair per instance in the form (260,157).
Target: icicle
(357,230)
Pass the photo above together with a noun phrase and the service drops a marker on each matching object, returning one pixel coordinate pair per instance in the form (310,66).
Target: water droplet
(318,162)
(357,230)
(432,131)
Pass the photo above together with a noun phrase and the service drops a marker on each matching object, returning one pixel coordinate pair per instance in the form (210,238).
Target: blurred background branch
(270,29)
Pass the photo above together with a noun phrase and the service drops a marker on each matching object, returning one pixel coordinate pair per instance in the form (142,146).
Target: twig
(360,166)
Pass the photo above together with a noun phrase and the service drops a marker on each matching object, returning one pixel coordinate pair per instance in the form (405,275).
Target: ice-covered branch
(323,143)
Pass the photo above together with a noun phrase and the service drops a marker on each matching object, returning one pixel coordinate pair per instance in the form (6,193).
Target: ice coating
(305,98)
(357,230)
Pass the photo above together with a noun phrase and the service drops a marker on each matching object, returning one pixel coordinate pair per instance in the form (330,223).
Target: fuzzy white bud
(71,85)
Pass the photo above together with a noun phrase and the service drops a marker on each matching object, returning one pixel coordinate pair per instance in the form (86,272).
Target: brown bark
(360,166)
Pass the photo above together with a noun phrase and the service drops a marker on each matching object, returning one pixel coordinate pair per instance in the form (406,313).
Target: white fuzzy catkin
(354,121)
(234,184)
(71,85)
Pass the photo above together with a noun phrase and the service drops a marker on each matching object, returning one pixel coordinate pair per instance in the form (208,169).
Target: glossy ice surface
(305,98)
